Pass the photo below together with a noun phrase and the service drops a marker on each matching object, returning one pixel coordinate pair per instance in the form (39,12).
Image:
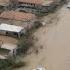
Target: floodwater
(58,45)
(55,40)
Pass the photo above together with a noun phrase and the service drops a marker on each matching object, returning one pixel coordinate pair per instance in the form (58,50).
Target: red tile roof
(32,1)
(17,15)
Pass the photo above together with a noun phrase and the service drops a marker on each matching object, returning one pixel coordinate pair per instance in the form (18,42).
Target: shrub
(18,64)
(5,65)
(25,43)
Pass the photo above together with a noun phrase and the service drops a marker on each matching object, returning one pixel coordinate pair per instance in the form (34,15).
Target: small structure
(34,6)
(2,57)
(13,30)
(8,50)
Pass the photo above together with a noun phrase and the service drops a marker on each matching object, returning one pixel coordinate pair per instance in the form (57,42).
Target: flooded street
(58,45)
(55,42)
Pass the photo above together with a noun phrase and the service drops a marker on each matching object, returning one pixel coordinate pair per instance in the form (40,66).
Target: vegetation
(18,64)
(25,43)
(8,64)
(39,14)
(5,64)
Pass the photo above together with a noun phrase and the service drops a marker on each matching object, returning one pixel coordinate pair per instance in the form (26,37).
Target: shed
(11,29)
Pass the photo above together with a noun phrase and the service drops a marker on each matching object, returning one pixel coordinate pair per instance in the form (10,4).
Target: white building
(12,30)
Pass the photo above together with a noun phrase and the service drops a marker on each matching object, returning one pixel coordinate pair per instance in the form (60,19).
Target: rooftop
(32,1)
(4,2)
(11,28)
(15,15)
(47,2)
(39,2)
(2,57)
(9,46)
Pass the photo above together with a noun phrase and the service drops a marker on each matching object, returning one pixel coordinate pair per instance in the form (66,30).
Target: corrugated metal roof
(14,15)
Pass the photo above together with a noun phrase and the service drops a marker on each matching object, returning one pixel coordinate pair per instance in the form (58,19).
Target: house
(34,6)
(32,2)
(8,50)
(30,5)
(19,16)
(2,57)
(4,2)
(12,30)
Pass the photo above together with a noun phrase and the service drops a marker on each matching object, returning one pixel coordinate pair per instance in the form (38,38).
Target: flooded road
(58,45)
(55,42)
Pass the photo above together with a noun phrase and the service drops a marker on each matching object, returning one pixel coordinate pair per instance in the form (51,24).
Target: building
(11,30)
(4,2)
(40,68)
(20,16)
(30,5)
(34,6)
(38,2)
(8,50)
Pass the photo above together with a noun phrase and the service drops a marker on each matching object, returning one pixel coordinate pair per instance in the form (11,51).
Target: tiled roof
(32,1)
(17,15)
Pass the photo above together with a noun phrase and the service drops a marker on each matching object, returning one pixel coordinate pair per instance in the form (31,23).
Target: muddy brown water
(55,40)
(58,50)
